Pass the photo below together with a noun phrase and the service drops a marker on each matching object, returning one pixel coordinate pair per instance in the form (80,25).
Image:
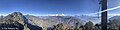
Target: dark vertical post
(104,15)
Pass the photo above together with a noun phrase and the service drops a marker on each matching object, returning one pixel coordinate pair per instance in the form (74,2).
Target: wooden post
(104,15)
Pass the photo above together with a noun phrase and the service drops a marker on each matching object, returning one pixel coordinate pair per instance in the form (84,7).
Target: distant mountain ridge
(69,20)
(29,21)
(53,20)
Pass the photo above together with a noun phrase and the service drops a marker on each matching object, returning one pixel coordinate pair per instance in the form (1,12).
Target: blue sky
(45,7)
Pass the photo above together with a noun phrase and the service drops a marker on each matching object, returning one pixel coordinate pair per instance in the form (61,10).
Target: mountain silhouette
(17,21)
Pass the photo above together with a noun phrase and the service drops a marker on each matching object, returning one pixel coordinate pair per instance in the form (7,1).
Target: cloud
(3,14)
(113,14)
(104,11)
(56,15)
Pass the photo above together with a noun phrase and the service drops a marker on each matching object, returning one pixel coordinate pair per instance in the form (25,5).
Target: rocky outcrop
(19,21)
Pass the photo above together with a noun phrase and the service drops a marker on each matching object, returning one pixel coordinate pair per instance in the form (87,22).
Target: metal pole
(104,15)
